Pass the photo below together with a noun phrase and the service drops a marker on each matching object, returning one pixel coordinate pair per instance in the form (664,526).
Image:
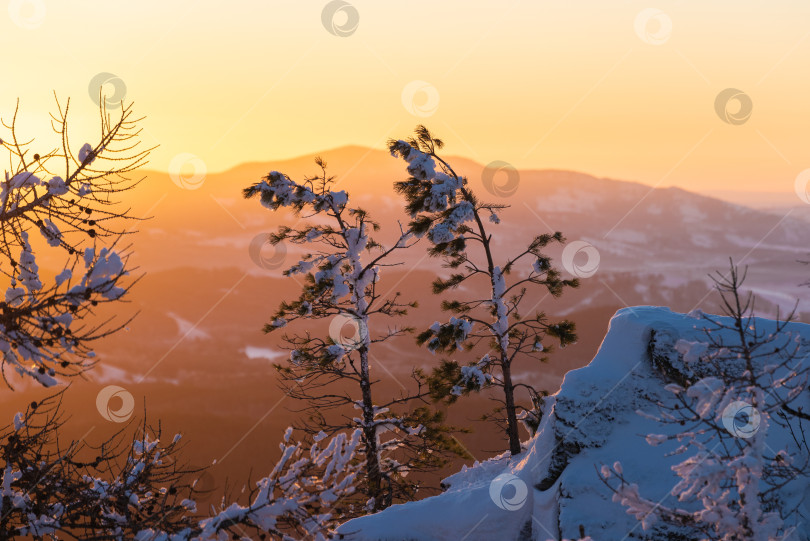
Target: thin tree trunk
(511,414)
(373,472)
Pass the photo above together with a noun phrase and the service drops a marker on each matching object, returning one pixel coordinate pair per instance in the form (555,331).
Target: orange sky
(576,85)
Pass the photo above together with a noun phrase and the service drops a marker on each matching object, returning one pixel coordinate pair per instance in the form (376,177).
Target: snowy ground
(553,490)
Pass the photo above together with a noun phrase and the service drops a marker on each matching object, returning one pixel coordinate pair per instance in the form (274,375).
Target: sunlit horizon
(587,88)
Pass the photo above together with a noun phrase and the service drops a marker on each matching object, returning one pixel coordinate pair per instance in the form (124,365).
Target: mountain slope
(635,227)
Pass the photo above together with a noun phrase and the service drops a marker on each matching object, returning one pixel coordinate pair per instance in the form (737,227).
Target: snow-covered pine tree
(332,375)
(730,391)
(70,198)
(444,208)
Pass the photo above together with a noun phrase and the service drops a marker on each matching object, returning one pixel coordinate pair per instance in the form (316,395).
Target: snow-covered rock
(601,415)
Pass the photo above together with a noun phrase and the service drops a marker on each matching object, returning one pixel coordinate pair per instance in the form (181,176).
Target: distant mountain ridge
(634,227)
(350,156)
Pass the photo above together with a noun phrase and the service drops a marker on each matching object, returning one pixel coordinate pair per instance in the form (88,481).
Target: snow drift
(601,414)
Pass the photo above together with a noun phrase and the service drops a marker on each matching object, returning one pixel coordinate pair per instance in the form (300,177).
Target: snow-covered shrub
(53,489)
